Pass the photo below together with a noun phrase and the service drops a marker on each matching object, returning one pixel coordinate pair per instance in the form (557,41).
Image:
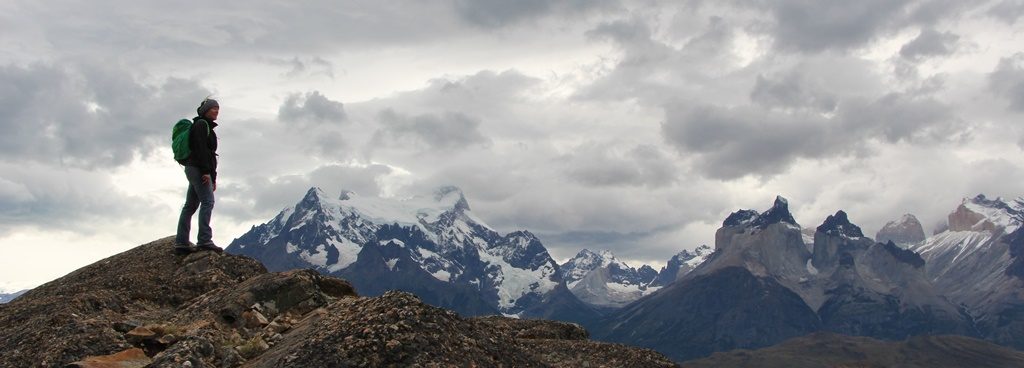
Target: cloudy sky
(634,126)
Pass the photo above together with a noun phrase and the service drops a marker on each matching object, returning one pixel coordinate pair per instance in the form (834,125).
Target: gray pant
(199,196)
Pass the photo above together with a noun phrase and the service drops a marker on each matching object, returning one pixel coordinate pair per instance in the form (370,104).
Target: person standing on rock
(201,172)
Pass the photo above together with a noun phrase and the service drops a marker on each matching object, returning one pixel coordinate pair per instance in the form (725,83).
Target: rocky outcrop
(837,239)
(904,232)
(93,308)
(832,350)
(964,219)
(149,307)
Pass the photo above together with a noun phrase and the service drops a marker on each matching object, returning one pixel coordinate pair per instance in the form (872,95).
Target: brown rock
(139,335)
(254,319)
(131,358)
(276,327)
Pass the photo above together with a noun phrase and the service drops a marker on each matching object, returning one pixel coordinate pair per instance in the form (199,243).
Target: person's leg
(204,192)
(189,209)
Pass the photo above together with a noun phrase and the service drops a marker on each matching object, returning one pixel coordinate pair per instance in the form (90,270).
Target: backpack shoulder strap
(207,124)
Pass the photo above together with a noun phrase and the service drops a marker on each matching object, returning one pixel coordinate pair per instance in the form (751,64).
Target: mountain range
(766,280)
(764,284)
(606,283)
(4,298)
(433,246)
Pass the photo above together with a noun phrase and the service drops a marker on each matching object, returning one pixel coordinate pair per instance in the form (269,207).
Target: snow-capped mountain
(7,297)
(681,264)
(431,245)
(603,281)
(977,263)
(763,285)
(905,232)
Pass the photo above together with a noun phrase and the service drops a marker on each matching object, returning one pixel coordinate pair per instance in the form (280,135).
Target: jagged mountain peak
(313,197)
(779,213)
(686,255)
(839,224)
(587,260)
(741,217)
(585,255)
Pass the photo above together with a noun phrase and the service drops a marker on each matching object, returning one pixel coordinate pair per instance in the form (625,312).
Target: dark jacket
(203,146)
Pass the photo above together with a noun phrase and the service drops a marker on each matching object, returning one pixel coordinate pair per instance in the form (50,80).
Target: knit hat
(206,105)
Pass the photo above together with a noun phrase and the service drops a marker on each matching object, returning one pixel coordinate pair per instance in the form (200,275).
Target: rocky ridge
(825,349)
(148,307)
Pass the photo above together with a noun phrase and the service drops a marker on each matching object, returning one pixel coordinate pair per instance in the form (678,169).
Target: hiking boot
(183,249)
(209,246)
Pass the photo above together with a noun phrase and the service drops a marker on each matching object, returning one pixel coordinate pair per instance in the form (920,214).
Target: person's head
(208,109)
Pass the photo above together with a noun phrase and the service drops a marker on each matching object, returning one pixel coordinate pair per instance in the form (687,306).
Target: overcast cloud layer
(634,126)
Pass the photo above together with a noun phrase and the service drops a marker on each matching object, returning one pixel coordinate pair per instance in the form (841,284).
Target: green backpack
(179,139)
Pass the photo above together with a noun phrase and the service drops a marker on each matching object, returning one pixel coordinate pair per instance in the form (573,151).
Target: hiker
(201,172)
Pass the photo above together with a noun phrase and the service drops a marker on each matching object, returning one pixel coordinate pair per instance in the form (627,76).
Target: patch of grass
(252,347)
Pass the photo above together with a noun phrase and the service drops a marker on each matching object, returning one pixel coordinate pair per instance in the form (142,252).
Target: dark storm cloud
(930,43)
(445,131)
(1007,80)
(87,115)
(653,70)
(1008,11)
(818,25)
(897,118)
(311,107)
(499,13)
(815,26)
(739,141)
(597,165)
(792,90)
